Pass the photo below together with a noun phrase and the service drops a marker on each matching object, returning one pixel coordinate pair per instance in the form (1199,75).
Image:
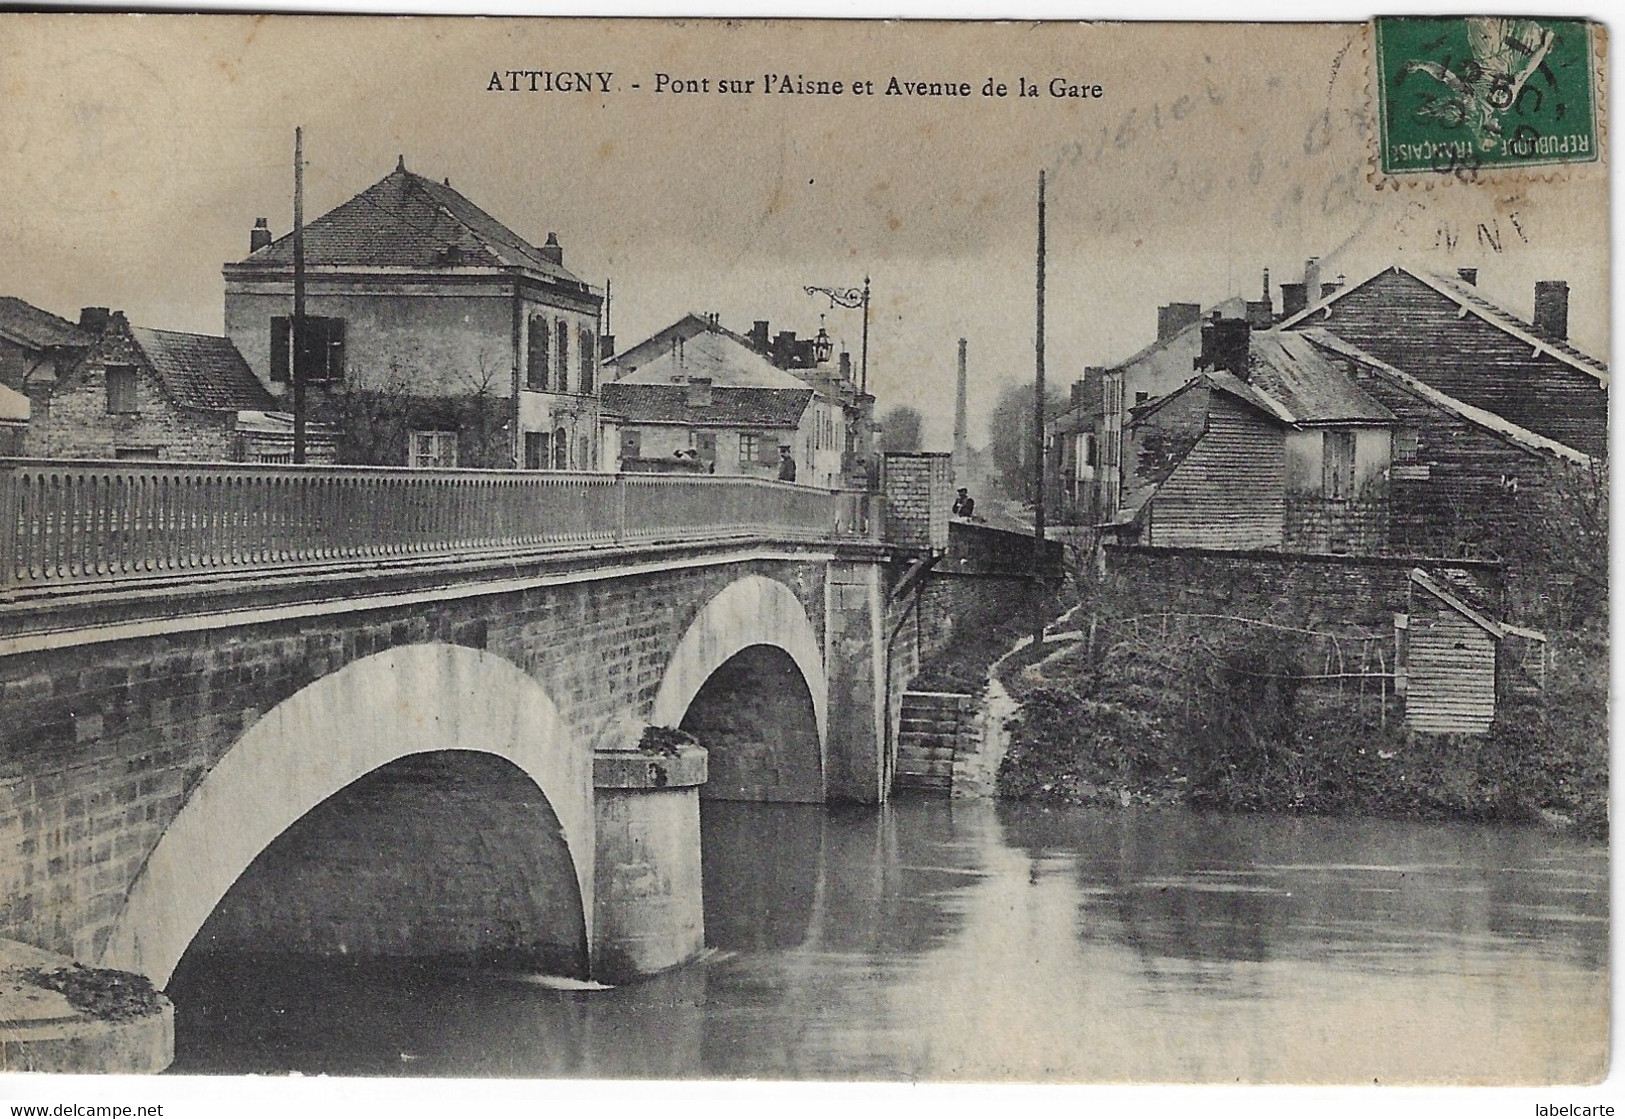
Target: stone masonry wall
(1314,524)
(919,497)
(100,745)
(1309,591)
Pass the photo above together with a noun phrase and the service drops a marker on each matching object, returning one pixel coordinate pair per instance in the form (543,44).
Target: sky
(140,149)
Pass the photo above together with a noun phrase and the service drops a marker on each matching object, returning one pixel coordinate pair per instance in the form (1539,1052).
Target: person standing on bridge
(787,465)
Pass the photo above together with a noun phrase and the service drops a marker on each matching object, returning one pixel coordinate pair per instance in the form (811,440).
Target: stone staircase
(936,730)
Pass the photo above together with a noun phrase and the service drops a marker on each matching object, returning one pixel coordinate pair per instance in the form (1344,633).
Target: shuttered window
(564,357)
(121,381)
(1338,465)
(281,331)
(584,346)
(536,368)
(631,444)
(324,349)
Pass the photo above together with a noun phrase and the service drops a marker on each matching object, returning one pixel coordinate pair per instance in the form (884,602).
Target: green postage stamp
(1460,94)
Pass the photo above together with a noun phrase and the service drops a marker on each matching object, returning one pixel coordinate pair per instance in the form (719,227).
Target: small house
(1270,445)
(166,395)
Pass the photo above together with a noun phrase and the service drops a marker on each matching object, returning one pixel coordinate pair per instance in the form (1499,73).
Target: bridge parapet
(66,524)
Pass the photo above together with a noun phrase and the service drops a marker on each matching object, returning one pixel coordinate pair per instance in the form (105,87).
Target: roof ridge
(1483,417)
(1475,301)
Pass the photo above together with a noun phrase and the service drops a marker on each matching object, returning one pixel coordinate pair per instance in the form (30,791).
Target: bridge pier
(855,661)
(648,905)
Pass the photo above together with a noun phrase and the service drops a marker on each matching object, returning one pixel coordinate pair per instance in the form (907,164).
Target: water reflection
(940,939)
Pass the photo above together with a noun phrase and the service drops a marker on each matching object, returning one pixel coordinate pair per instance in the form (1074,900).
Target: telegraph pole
(1038,436)
(298,340)
(863,358)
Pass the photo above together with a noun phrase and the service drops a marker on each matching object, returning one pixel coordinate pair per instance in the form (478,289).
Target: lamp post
(851,298)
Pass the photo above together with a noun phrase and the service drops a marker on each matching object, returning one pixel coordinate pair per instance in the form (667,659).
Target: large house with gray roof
(436,335)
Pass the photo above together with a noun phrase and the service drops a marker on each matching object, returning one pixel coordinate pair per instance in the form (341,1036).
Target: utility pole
(298,375)
(863,358)
(1038,436)
(961,459)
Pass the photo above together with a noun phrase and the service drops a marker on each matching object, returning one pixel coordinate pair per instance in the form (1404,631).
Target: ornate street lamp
(852,298)
(823,345)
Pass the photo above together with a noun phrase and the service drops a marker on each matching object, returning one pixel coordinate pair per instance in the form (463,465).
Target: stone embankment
(56,1015)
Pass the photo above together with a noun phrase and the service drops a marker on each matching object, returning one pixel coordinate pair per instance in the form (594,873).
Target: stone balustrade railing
(76,523)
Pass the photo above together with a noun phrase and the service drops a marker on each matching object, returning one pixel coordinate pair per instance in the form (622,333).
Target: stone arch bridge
(352,711)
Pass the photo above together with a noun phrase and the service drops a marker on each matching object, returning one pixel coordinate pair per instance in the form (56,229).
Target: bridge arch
(752,645)
(416,699)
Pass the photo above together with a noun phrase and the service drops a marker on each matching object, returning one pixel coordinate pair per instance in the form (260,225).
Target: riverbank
(1240,728)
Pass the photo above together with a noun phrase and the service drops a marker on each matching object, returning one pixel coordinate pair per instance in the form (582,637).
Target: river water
(934,939)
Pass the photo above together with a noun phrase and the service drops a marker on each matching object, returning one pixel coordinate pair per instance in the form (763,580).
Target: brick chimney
(259,236)
(1469,276)
(1330,288)
(1552,309)
(697,393)
(94,319)
(1226,344)
(1294,298)
(758,336)
(606,347)
(1174,317)
(846,364)
(553,252)
(1261,312)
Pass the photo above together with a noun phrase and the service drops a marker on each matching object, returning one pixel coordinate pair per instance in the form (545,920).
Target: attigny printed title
(598,81)
(549,81)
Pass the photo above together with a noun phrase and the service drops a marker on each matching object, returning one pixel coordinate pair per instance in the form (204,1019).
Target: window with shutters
(584,346)
(324,349)
(433,449)
(536,367)
(1338,465)
(564,357)
(631,444)
(121,382)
